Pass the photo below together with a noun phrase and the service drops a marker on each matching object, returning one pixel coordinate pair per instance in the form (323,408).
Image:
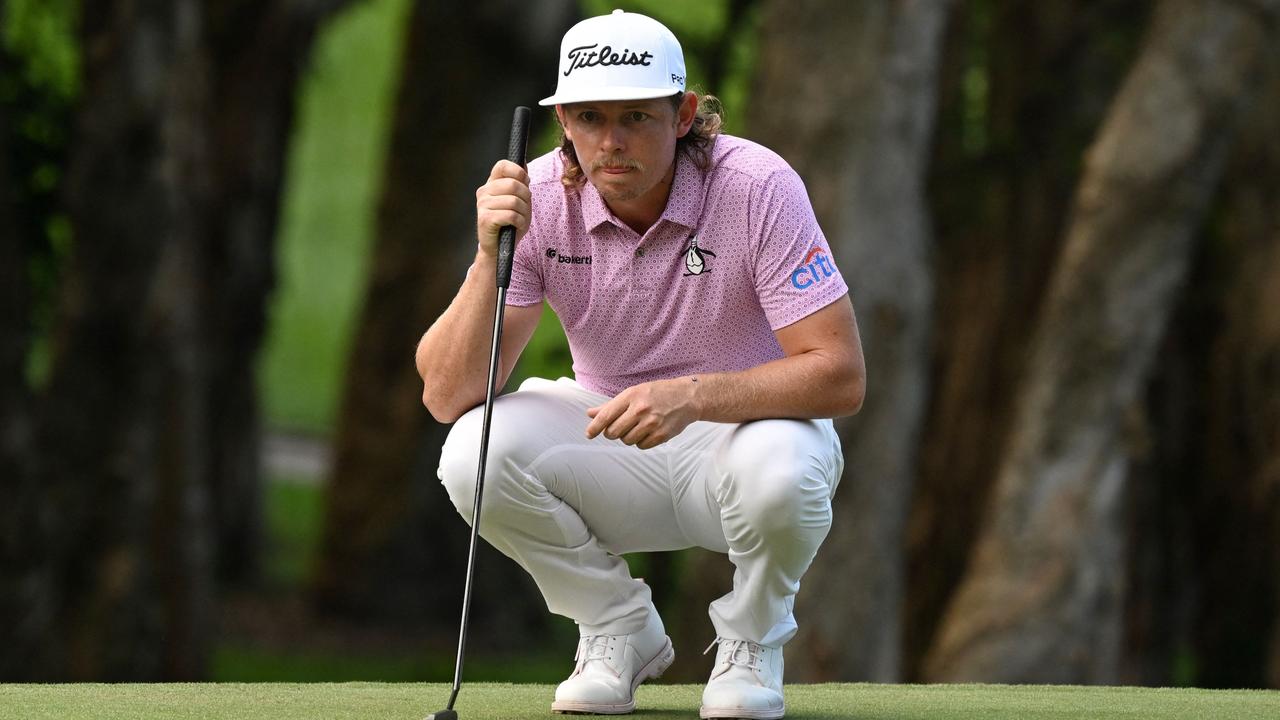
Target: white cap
(622,56)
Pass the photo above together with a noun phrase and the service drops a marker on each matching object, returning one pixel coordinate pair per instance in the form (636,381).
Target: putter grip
(515,153)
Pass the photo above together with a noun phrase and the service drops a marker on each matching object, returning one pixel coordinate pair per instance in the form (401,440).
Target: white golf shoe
(746,682)
(611,667)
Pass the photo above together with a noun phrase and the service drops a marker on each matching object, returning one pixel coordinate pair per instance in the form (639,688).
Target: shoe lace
(597,647)
(739,652)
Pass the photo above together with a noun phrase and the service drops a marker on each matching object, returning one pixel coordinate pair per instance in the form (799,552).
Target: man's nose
(613,139)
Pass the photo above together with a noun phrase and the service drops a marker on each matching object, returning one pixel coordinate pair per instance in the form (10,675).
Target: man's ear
(563,125)
(686,113)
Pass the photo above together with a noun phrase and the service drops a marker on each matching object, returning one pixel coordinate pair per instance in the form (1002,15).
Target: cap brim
(610,93)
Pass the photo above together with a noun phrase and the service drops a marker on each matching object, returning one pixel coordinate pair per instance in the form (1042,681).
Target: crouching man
(712,339)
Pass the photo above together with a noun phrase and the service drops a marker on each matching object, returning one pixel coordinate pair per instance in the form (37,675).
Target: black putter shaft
(506,247)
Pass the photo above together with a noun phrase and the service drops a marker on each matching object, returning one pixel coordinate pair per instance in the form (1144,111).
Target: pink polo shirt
(736,255)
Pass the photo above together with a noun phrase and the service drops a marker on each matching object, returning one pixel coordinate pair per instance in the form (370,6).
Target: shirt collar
(684,204)
(594,212)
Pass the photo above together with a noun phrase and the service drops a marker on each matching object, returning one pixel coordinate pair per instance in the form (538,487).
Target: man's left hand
(648,414)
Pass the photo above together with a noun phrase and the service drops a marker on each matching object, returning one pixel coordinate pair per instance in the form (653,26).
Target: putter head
(443,715)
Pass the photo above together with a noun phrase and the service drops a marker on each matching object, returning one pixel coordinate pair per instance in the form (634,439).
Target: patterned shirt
(736,255)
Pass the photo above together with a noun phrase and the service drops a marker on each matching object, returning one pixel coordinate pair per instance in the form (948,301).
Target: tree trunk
(169,225)
(1002,175)
(21,559)
(1238,498)
(1042,599)
(119,451)
(13,276)
(1242,442)
(14,295)
(1205,585)
(258,49)
(861,143)
(393,547)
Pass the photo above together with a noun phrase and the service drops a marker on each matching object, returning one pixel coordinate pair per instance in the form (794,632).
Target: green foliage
(546,355)
(39,82)
(975,85)
(294,514)
(42,33)
(327,223)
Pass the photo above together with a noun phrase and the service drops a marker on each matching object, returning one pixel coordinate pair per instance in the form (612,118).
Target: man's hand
(648,414)
(503,200)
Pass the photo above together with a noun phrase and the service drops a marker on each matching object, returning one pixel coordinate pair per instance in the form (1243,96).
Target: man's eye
(588,116)
(637,116)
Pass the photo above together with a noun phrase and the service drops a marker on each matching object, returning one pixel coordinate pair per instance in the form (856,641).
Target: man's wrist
(485,260)
(696,397)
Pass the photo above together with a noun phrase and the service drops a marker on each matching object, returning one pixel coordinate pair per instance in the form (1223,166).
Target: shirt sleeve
(526,286)
(795,271)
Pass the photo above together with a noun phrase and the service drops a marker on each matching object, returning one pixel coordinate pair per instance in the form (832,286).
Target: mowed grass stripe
(491,701)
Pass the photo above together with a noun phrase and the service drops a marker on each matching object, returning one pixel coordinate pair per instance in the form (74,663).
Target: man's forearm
(807,385)
(453,355)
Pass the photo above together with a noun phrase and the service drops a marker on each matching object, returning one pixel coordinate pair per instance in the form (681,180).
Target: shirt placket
(638,265)
(641,285)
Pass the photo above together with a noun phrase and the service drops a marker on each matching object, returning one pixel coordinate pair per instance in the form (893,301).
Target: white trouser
(564,507)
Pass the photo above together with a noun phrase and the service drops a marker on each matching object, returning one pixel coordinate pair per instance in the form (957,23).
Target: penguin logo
(695,258)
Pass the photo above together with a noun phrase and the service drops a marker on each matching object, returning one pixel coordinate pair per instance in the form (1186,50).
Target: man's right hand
(503,200)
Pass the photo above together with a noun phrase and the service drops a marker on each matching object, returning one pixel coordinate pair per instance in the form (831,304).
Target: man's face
(625,147)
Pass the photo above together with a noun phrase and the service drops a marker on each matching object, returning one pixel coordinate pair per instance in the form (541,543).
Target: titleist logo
(587,56)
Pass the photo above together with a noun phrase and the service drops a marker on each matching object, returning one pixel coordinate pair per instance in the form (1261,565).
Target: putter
(506,246)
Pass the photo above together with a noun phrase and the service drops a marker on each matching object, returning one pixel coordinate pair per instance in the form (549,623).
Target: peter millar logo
(816,268)
(568,259)
(586,56)
(695,258)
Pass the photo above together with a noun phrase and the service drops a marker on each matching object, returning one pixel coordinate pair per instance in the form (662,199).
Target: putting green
(489,701)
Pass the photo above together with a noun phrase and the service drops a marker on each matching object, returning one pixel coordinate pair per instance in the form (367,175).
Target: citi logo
(569,259)
(816,268)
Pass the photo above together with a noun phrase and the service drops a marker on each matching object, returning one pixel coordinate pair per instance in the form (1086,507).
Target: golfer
(712,339)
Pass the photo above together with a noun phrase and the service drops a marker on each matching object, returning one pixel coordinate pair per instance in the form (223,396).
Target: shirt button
(639,252)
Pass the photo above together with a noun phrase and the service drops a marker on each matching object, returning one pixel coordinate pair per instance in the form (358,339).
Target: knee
(778,478)
(460,458)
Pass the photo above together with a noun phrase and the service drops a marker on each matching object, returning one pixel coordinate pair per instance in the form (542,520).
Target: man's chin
(616,192)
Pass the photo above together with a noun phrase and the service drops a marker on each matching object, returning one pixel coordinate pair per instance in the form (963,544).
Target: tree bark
(123,460)
(1002,180)
(393,546)
(861,143)
(131,590)
(1042,600)
(14,294)
(1205,583)
(1237,555)
(13,276)
(21,559)
(257,51)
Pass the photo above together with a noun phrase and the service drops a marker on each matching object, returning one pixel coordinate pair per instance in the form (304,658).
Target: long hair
(695,144)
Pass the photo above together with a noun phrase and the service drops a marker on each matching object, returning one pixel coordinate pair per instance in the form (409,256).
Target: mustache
(616,161)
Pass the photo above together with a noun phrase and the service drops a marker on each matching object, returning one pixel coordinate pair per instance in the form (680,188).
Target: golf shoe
(611,667)
(746,682)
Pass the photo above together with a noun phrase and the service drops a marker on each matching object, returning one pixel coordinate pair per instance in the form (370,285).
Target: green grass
(243,663)
(656,702)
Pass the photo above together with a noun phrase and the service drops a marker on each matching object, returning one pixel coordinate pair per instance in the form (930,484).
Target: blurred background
(225,224)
